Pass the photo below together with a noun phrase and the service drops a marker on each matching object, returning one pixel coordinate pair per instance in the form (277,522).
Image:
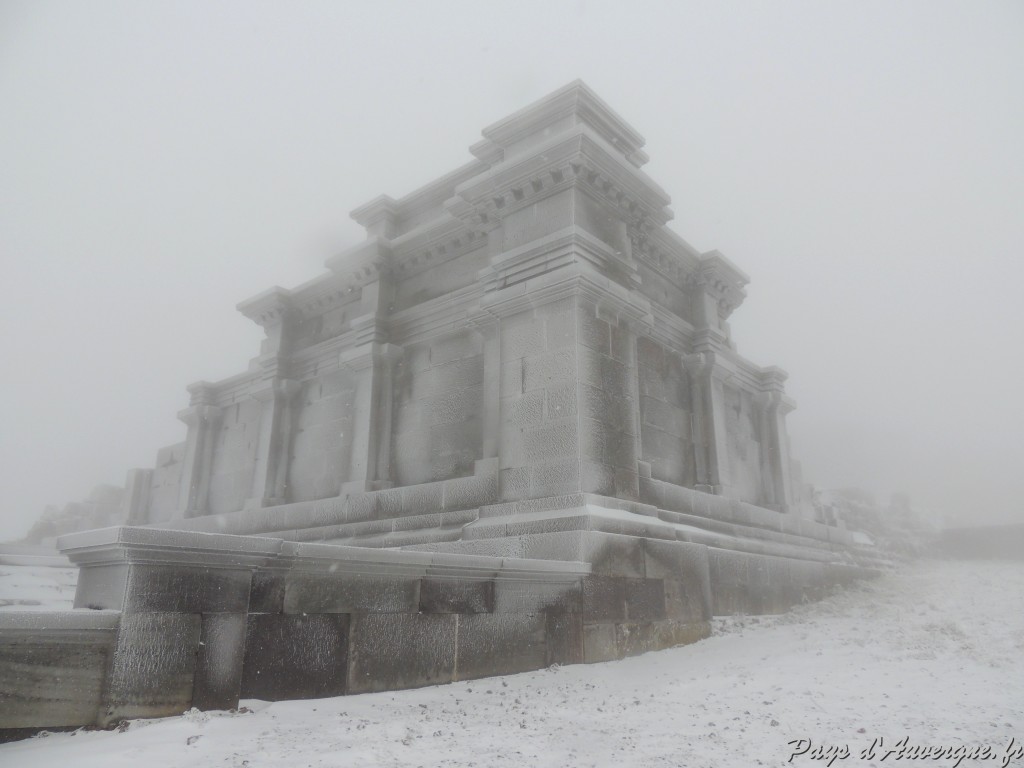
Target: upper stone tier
(535,133)
(573,105)
(568,149)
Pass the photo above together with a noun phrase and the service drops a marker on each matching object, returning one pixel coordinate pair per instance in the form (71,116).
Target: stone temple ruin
(508,429)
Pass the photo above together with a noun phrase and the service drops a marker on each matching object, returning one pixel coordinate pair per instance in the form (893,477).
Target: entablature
(572,104)
(577,157)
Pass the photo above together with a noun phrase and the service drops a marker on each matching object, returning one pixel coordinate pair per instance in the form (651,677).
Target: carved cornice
(425,248)
(202,393)
(195,415)
(576,158)
(379,216)
(268,308)
(722,280)
(364,263)
(667,255)
(575,103)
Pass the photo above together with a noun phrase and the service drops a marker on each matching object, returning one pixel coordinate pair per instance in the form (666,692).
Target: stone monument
(508,429)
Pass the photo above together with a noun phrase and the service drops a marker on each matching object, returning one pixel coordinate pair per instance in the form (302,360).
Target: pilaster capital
(364,263)
(270,308)
(483,322)
(201,393)
(273,388)
(378,216)
(200,415)
(362,357)
(710,340)
(699,363)
(722,280)
(773,379)
(369,329)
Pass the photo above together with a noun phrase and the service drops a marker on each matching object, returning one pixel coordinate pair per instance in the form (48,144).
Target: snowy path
(935,653)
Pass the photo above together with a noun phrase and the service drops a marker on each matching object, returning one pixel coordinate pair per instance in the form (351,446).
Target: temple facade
(525,328)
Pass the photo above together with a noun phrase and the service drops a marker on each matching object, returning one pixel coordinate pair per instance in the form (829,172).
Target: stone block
(603,598)
(218,677)
(415,522)
(453,406)
(556,523)
(521,336)
(389,502)
(614,555)
(52,676)
(603,372)
(549,369)
(295,657)
(622,342)
(645,599)
(597,404)
(152,667)
(560,330)
(316,593)
(594,332)
(649,353)
(633,639)
(685,570)
(511,378)
(456,596)
(556,478)
(551,442)
(457,374)
(627,483)
(393,651)
(597,478)
(526,411)
(515,483)
(564,638)
(453,348)
(536,597)
(500,644)
(561,401)
(186,589)
(102,587)
(422,498)
(599,643)
(468,492)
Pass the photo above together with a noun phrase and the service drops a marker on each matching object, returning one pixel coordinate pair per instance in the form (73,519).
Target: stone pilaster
(776,439)
(769,492)
(709,434)
(202,420)
(136,497)
(277,397)
(488,327)
(372,365)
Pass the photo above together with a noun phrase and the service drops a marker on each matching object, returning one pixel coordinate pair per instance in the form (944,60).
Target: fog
(861,161)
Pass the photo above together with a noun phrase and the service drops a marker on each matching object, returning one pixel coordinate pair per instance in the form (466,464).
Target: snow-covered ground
(934,653)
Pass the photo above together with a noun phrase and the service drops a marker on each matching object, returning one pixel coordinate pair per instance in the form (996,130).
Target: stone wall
(235,443)
(321,444)
(169,620)
(437,409)
(165,485)
(666,414)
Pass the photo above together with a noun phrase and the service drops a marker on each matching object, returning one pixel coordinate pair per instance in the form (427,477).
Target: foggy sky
(861,161)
